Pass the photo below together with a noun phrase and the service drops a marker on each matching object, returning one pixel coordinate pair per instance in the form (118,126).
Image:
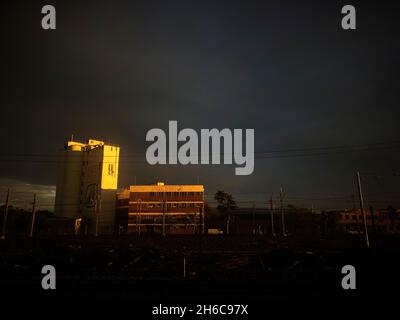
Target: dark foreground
(189,270)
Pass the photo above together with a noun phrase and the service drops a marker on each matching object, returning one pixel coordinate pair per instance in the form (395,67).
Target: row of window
(378,228)
(175,194)
(172,205)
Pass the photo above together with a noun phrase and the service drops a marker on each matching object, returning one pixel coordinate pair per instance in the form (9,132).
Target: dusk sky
(112,70)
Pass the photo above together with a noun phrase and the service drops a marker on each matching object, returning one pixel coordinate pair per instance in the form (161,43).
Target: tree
(226,205)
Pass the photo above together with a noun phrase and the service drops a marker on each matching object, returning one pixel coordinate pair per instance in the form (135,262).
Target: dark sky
(115,69)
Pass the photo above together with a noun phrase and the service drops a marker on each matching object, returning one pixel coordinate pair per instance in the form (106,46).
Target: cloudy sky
(113,70)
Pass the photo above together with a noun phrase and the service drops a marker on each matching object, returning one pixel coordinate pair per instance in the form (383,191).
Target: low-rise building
(381,221)
(160,208)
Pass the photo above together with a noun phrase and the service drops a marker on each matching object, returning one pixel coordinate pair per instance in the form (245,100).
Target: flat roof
(167,188)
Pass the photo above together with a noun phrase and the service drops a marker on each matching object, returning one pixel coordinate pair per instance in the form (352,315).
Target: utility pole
(361,198)
(138,203)
(33,215)
(3,234)
(202,217)
(254,219)
(202,213)
(137,217)
(281,196)
(201,231)
(271,210)
(97,210)
(163,218)
(96,204)
(98,198)
(228,222)
(140,216)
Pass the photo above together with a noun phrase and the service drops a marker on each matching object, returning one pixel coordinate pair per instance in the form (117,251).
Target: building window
(151,194)
(111,169)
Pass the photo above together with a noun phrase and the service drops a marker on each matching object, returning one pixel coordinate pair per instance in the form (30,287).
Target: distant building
(259,221)
(87,184)
(382,221)
(172,209)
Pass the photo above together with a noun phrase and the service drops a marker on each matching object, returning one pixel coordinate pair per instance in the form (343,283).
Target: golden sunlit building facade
(87,185)
(162,209)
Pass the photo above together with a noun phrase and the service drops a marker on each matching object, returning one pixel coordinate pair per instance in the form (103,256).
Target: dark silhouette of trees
(225,206)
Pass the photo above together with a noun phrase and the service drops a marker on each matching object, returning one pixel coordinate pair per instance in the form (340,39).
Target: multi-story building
(160,208)
(381,221)
(87,185)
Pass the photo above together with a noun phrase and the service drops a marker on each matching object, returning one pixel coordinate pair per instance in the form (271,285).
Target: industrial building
(160,208)
(87,185)
(378,221)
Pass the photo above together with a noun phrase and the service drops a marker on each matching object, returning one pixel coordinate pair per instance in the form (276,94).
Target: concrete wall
(67,203)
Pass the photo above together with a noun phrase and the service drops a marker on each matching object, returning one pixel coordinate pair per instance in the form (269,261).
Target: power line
(299,152)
